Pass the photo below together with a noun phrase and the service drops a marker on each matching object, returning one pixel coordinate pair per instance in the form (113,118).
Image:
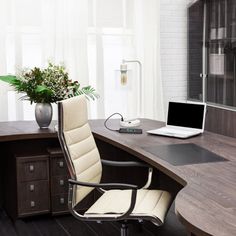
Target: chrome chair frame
(102,187)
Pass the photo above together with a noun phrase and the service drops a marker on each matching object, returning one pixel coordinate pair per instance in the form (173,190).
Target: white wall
(174,49)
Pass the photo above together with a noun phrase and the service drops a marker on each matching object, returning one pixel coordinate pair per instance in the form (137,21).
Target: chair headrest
(74,112)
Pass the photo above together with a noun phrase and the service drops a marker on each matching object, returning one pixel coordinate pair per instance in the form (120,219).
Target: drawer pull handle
(32,203)
(61,182)
(62,200)
(61,164)
(31,187)
(31,168)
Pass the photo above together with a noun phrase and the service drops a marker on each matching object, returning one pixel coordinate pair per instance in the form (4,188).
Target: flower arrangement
(47,85)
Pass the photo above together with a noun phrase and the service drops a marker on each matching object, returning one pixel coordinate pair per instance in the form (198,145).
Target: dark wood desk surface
(20,130)
(207,203)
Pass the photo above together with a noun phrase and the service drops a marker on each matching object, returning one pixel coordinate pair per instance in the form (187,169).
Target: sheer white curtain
(91,37)
(147,44)
(3,64)
(64,35)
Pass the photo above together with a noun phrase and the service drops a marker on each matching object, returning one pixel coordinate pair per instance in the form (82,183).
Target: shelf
(221,40)
(212,76)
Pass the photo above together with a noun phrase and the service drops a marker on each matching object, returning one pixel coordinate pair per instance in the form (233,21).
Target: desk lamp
(123,80)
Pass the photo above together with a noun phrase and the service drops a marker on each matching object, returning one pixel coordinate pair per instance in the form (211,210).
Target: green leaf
(11,79)
(45,93)
(41,89)
(90,92)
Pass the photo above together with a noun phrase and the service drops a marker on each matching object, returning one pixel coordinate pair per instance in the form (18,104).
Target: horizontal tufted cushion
(152,203)
(80,144)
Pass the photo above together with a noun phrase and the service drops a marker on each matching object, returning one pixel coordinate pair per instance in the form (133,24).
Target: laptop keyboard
(168,130)
(178,132)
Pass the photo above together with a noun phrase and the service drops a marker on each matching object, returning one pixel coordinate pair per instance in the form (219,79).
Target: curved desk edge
(209,194)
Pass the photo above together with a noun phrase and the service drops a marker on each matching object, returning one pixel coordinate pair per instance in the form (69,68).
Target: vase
(43,114)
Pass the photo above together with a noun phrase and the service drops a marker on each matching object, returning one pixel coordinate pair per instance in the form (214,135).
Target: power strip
(130,123)
(130,131)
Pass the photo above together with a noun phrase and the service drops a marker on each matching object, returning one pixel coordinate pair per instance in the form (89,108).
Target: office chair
(119,201)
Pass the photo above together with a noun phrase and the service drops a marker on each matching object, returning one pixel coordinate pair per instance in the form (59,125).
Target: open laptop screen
(186,115)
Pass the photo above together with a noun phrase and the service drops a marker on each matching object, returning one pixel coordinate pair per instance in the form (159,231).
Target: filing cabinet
(36,180)
(32,185)
(38,185)
(59,176)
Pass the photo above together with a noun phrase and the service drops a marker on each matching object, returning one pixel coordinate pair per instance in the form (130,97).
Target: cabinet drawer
(59,184)
(30,168)
(59,203)
(33,197)
(58,166)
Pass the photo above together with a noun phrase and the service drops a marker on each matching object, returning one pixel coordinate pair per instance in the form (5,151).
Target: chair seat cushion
(149,203)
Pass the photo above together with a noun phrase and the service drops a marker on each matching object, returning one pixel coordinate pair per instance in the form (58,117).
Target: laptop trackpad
(183,154)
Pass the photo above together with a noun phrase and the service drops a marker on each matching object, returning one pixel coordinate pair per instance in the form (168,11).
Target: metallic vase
(43,114)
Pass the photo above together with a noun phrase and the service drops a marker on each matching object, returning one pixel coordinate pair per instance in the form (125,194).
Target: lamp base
(130,123)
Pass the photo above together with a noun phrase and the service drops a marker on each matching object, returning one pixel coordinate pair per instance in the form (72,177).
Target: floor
(68,226)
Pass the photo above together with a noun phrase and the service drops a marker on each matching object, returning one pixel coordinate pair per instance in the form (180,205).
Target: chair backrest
(78,144)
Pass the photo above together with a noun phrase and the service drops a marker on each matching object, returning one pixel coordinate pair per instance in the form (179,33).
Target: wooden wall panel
(221,121)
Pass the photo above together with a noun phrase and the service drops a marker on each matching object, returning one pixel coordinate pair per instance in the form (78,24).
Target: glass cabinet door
(220,52)
(195,49)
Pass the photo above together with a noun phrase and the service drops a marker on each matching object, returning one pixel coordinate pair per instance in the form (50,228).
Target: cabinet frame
(224,91)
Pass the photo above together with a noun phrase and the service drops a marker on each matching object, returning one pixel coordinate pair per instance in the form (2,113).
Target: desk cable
(105,122)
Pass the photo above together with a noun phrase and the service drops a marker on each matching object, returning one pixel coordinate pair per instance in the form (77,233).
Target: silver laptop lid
(187,114)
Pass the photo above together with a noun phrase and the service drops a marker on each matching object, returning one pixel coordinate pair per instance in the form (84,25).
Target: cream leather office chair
(119,202)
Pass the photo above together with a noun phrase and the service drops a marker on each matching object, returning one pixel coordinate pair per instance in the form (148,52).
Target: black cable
(105,122)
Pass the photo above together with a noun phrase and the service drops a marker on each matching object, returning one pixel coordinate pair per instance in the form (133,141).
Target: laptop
(184,120)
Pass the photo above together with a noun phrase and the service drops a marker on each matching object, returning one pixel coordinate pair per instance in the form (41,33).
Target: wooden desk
(207,203)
